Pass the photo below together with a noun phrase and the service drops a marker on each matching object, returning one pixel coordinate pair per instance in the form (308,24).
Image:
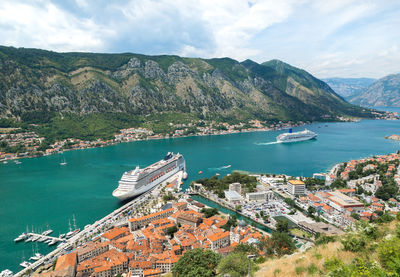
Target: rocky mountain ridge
(36,82)
(349,87)
(383,93)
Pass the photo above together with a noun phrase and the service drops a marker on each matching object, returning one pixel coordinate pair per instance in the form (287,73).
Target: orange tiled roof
(314,198)
(115,232)
(347,190)
(218,236)
(102,268)
(66,261)
(296,182)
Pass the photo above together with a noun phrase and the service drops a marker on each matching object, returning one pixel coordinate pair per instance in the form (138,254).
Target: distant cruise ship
(138,181)
(297,136)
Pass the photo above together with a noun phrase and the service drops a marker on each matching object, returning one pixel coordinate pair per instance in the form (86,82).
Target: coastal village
(15,145)
(150,240)
(150,244)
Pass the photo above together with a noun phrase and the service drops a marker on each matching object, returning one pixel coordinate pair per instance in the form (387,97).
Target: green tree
(209,212)
(311,210)
(232,221)
(282,225)
(355,216)
(282,243)
(245,249)
(236,265)
(354,243)
(197,262)
(389,255)
(171,230)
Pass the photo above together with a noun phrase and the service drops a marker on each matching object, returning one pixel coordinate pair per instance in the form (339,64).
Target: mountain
(349,87)
(383,93)
(37,85)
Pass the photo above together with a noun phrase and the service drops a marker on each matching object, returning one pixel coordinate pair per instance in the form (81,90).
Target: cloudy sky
(329,38)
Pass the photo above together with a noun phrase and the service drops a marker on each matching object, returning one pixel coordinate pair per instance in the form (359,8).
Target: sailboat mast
(73,218)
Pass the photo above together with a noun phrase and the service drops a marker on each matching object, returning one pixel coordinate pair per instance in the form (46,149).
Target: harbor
(119,217)
(51,193)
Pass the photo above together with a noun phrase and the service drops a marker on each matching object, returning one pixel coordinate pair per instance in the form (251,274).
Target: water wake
(267,143)
(219,168)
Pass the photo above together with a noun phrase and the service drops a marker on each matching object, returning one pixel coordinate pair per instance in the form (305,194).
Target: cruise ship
(297,136)
(138,181)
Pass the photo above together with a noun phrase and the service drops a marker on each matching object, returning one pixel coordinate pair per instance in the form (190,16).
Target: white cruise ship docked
(296,136)
(138,181)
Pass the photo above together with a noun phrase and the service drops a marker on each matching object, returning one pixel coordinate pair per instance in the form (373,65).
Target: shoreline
(159,138)
(264,129)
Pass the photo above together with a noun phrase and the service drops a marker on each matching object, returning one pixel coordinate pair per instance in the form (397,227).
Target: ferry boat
(138,181)
(296,136)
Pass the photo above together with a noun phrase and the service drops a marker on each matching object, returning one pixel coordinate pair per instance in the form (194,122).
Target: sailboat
(63,162)
(76,230)
(36,255)
(24,263)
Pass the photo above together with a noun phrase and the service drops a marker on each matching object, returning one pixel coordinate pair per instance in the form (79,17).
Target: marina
(42,238)
(114,218)
(84,186)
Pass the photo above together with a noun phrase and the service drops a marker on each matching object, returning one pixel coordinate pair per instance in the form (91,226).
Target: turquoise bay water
(40,191)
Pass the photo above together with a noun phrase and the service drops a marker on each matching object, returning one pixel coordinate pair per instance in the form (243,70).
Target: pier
(44,236)
(108,219)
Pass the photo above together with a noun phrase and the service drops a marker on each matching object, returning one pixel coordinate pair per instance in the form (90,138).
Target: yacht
(53,241)
(36,257)
(25,264)
(47,232)
(35,238)
(21,237)
(30,238)
(42,239)
(6,273)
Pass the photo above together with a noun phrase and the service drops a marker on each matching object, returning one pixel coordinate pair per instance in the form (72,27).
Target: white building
(259,196)
(233,197)
(296,187)
(319,176)
(236,187)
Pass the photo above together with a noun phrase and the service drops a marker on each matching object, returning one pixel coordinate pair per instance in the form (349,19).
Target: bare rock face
(82,83)
(178,71)
(153,71)
(134,63)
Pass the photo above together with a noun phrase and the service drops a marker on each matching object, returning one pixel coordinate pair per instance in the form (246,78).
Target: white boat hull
(131,184)
(297,140)
(133,193)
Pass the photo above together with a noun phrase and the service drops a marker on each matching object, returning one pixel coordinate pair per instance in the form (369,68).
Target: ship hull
(296,140)
(127,194)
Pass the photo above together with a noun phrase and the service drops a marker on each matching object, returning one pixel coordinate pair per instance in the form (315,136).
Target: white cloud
(340,37)
(44,25)
(234,25)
